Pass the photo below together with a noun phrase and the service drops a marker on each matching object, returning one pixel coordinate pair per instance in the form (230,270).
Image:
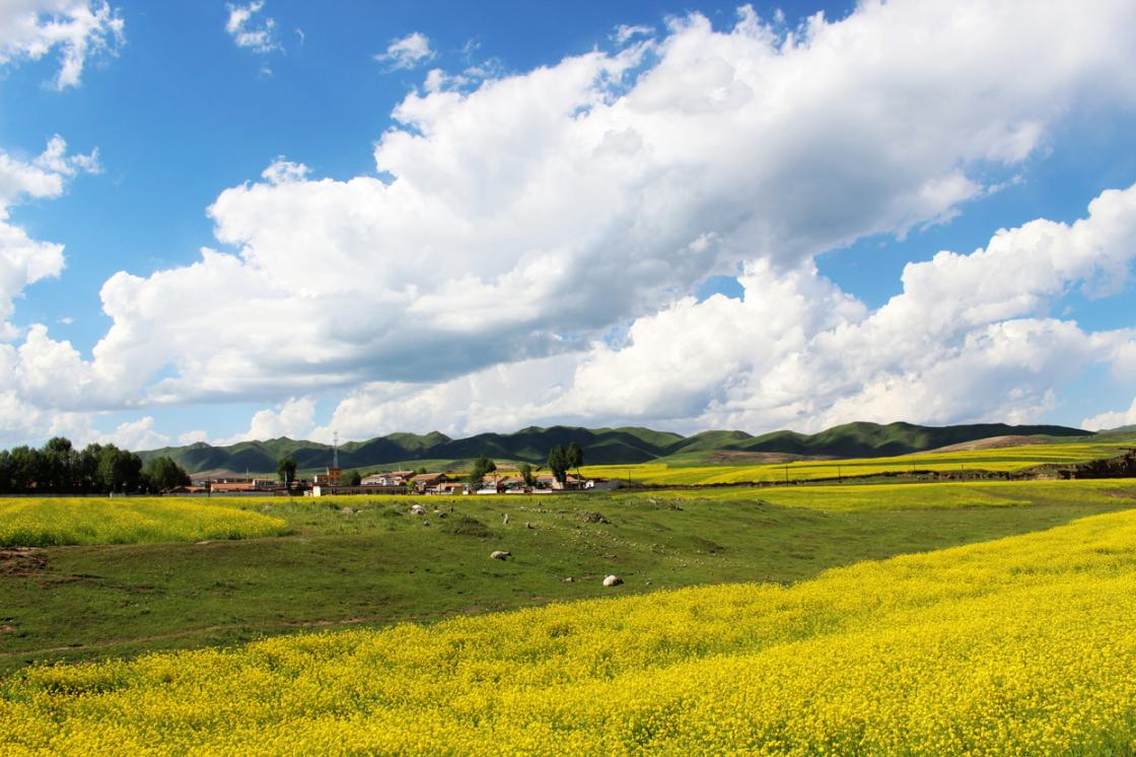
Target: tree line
(60,468)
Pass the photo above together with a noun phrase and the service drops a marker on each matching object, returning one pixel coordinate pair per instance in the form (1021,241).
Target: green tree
(481,466)
(57,461)
(118,470)
(5,471)
(558,463)
(87,468)
(162,474)
(286,470)
(575,456)
(25,468)
(356,479)
(526,472)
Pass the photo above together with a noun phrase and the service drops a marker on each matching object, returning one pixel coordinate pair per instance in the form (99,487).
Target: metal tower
(335,449)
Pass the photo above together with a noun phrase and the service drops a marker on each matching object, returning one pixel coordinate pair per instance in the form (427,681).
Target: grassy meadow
(695,470)
(1017,645)
(359,561)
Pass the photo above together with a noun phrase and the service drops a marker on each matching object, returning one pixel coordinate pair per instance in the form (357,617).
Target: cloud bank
(525,246)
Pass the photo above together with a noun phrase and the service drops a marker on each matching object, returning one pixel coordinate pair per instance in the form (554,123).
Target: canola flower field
(1022,645)
(68,521)
(947,495)
(1005,459)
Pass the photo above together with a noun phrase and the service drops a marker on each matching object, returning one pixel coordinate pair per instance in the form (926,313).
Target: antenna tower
(335,449)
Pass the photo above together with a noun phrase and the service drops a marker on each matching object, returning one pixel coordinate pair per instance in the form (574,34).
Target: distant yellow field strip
(1024,645)
(49,522)
(998,460)
(927,496)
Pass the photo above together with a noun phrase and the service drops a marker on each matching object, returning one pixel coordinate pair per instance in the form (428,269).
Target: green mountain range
(601,445)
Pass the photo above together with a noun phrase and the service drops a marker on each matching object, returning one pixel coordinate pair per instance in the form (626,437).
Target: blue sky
(180,112)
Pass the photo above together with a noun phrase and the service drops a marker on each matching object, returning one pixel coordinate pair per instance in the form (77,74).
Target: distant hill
(601,446)
(874,440)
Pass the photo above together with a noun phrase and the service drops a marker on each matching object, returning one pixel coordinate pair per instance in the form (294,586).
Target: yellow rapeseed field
(51,522)
(947,495)
(1025,645)
(1003,459)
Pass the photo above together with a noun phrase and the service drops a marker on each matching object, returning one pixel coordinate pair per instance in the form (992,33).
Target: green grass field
(367,562)
(89,520)
(1006,459)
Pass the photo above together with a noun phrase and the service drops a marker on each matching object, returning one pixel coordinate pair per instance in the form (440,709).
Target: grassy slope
(626,445)
(378,565)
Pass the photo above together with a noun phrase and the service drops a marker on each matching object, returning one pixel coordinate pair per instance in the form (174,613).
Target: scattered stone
(529,525)
(499,554)
(425,522)
(593,518)
(569,580)
(346,511)
(612,581)
(505,520)
(418,510)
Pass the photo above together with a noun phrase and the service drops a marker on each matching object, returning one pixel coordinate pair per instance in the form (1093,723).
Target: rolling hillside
(603,446)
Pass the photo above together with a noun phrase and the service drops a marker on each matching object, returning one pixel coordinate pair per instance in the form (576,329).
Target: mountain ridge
(606,445)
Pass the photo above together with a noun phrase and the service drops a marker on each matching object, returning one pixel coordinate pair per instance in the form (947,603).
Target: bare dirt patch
(739,457)
(994,442)
(22,561)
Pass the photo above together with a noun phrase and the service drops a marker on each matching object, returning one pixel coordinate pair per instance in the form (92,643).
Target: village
(506,479)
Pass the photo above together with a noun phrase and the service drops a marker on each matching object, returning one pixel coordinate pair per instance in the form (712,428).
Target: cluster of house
(507,480)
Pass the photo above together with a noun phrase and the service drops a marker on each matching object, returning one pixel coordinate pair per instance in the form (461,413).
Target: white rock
(499,554)
(418,510)
(612,581)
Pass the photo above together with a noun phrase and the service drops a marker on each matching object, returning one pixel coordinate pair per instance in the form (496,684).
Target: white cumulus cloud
(625,32)
(294,418)
(76,30)
(407,52)
(1112,419)
(23,260)
(250,29)
(541,208)
(968,339)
